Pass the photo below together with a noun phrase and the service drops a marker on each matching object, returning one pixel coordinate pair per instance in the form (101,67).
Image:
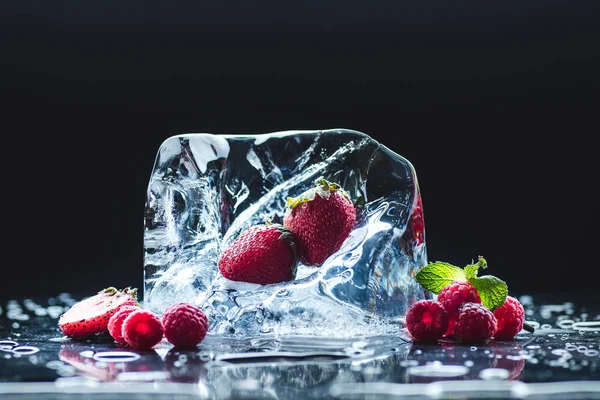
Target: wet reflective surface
(560,360)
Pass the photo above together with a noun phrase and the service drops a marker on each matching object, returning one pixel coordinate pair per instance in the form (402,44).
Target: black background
(494,103)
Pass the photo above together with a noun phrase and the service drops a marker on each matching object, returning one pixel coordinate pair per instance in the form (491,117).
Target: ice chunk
(206,189)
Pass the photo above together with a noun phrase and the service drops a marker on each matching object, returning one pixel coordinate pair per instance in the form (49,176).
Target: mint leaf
(437,275)
(492,290)
(472,269)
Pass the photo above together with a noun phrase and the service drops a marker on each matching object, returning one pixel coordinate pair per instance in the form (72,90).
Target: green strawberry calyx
(322,187)
(437,275)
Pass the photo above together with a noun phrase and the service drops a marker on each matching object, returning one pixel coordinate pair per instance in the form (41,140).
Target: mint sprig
(437,275)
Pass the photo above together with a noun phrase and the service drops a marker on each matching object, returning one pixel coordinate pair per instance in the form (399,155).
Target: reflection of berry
(475,323)
(510,317)
(142,329)
(115,323)
(184,366)
(453,296)
(427,321)
(184,324)
(509,358)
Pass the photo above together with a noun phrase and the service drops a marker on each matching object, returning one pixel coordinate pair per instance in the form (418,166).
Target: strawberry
(321,218)
(262,254)
(90,316)
(416,225)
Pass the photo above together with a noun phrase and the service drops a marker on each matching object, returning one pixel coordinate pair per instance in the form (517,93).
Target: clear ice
(206,189)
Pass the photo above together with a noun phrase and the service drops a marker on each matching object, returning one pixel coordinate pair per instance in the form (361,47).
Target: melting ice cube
(206,189)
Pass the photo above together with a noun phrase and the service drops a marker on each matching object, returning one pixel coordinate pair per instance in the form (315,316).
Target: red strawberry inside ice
(262,254)
(322,219)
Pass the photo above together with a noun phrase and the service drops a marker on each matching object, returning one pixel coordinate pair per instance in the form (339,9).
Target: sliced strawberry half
(90,316)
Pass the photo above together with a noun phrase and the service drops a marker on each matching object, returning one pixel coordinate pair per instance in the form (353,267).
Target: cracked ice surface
(206,189)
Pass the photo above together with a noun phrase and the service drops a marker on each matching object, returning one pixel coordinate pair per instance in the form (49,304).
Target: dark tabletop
(560,360)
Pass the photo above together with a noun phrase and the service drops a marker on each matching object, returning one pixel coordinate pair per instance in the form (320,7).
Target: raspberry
(115,323)
(427,320)
(142,329)
(475,323)
(453,296)
(184,324)
(510,316)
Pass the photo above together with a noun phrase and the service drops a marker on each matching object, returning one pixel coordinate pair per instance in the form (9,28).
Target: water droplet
(469,363)
(116,356)
(494,374)
(25,350)
(565,324)
(473,348)
(533,346)
(586,326)
(7,344)
(41,312)
(54,364)
(592,353)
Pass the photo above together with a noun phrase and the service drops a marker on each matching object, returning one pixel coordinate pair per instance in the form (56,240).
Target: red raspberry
(184,324)
(510,316)
(427,320)
(142,329)
(475,323)
(453,296)
(115,323)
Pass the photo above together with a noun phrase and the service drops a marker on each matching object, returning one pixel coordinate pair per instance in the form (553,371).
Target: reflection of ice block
(206,189)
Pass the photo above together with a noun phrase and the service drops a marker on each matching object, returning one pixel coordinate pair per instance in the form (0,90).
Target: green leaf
(437,275)
(472,269)
(492,290)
